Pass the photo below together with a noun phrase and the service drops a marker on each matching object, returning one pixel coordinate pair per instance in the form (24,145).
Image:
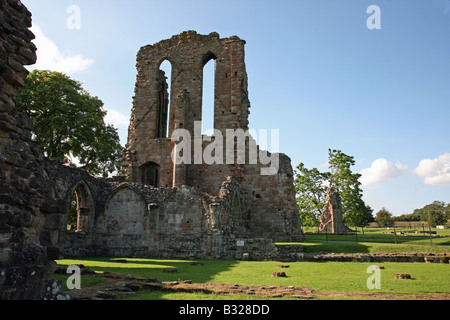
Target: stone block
(52,205)
(48,238)
(402,276)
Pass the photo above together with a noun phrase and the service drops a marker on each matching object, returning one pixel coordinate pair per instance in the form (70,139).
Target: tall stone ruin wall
(268,201)
(25,199)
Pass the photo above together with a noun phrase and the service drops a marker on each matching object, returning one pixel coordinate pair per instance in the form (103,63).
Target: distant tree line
(435,213)
(311,188)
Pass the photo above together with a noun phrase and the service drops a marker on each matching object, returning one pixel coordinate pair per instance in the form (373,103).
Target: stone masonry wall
(26,250)
(267,205)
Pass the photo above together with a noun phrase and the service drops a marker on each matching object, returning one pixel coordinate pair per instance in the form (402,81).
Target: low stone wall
(378,257)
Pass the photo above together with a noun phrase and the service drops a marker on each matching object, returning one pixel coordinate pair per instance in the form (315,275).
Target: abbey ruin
(157,207)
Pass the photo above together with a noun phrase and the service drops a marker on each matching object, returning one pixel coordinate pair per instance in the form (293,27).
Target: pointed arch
(164,80)
(81,212)
(208,93)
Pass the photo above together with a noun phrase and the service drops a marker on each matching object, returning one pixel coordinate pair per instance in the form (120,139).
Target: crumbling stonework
(190,211)
(331,220)
(25,201)
(264,206)
(156,208)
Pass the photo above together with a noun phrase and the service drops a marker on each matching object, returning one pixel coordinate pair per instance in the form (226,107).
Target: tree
(347,184)
(435,217)
(311,193)
(384,218)
(69,122)
(434,213)
(367,218)
(408,217)
(311,186)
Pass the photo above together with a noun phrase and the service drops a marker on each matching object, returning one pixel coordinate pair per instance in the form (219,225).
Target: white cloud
(381,170)
(116,118)
(49,57)
(436,172)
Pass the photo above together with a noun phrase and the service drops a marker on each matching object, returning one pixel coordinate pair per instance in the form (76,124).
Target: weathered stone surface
(375,257)
(331,220)
(171,270)
(197,211)
(402,276)
(24,262)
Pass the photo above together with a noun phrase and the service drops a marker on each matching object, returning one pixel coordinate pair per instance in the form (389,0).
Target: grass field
(365,247)
(383,235)
(322,276)
(348,277)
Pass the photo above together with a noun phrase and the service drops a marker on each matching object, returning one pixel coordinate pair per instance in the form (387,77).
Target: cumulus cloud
(381,170)
(436,172)
(116,118)
(49,57)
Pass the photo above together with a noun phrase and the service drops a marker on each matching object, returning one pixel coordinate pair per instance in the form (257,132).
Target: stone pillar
(331,220)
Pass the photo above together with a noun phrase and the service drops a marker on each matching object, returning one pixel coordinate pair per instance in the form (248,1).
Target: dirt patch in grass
(114,286)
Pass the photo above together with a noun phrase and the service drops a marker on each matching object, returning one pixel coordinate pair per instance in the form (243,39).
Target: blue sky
(316,72)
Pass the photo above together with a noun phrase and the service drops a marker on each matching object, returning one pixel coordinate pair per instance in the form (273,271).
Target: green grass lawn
(314,246)
(383,235)
(322,276)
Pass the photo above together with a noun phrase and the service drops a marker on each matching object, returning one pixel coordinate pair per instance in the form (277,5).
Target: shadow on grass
(154,268)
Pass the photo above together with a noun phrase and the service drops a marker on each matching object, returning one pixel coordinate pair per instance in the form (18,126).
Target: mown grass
(383,235)
(364,247)
(322,276)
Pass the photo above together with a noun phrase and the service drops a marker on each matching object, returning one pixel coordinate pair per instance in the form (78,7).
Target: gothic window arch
(164,76)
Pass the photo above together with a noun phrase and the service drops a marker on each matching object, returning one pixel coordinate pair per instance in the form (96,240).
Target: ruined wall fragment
(267,207)
(28,241)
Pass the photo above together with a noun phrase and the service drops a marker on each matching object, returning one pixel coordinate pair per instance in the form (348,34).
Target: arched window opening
(163,112)
(73,214)
(209,71)
(79,210)
(150,174)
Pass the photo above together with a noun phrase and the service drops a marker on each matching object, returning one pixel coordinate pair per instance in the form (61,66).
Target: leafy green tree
(384,218)
(69,122)
(435,217)
(366,218)
(311,194)
(347,184)
(408,217)
(434,213)
(311,186)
